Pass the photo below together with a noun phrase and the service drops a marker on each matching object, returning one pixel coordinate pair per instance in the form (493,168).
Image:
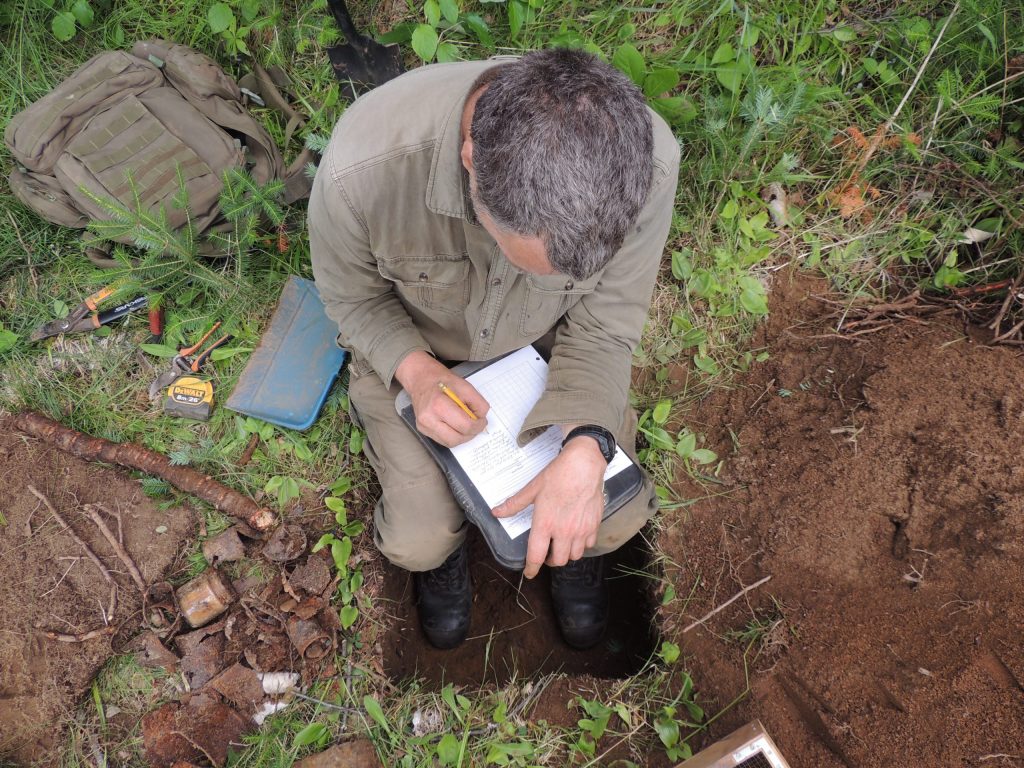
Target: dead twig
(973,290)
(727,603)
(81,637)
(250,449)
(997,321)
(90,510)
(71,531)
(17,233)
(112,601)
(28,522)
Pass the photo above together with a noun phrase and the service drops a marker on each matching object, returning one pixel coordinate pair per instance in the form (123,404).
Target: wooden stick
(133,570)
(137,457)
(250,449)
(81,637)
(727,603)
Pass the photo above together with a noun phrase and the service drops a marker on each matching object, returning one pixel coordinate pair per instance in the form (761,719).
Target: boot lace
(450,576)
(586,571)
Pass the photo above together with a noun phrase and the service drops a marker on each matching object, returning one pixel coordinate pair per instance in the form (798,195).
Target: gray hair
(563,150)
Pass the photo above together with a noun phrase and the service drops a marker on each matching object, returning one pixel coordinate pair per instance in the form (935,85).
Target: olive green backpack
(139,123)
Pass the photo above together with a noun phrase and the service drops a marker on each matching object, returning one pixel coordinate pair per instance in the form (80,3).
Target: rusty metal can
(309,638)
(204,598)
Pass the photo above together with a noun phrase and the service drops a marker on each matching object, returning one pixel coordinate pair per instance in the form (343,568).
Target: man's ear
(466,153)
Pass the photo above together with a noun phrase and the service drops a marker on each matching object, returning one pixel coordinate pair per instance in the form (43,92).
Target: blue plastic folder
(295,365)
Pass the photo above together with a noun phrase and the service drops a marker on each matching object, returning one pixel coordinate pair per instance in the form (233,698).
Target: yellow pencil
(457,400)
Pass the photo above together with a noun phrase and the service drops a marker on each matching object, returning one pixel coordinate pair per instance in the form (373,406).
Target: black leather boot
(445,600)
(580,598)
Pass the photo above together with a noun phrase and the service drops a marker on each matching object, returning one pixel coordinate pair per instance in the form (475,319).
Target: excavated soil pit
(879,482)
(513,632)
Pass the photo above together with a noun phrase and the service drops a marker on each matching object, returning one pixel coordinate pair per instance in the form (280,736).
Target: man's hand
(568,499)
(437,415)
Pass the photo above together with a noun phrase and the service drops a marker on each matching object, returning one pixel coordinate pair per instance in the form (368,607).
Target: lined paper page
(493,460)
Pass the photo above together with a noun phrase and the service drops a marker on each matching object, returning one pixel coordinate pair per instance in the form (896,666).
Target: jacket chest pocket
(430,283)
(548,297)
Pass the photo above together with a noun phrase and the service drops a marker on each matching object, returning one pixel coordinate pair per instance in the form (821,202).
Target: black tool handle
(198,362)
(120,311)
(341,15)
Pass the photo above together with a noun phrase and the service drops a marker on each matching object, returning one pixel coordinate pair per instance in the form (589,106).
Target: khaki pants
(417,521)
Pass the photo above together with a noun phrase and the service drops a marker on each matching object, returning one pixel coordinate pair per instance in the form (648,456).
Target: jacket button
(496,281)
(484,333)
(423,277)
(568,286)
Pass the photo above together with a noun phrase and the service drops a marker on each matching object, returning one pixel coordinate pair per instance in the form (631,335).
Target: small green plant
(349,582)
(593,726)
(8,338)
(669,722)
(655,82)
(686,448)
(223,21)
(446,26)
(313,734)
(283,488)
(65,24)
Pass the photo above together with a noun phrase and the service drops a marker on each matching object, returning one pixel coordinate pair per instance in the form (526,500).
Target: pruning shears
(79,319)
(185,364)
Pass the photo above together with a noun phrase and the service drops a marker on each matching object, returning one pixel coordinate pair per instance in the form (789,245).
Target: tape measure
(190,398)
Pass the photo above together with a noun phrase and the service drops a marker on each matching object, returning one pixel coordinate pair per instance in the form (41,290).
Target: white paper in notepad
(493,460)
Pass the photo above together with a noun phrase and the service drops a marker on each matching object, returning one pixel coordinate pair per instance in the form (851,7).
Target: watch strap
(605,439)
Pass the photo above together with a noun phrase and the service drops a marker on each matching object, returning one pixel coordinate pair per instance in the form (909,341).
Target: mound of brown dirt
(48,583)
(879,482)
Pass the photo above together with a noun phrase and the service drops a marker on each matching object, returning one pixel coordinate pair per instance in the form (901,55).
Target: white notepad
(493,460)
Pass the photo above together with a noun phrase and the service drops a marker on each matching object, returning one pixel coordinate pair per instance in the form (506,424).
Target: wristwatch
(605,439)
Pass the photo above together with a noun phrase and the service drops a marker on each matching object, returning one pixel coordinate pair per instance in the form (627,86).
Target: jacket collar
(448,184)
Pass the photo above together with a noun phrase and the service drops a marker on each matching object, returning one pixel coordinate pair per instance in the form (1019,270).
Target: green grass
(758,94)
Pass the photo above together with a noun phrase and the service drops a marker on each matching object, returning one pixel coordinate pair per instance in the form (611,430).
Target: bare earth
(879,482)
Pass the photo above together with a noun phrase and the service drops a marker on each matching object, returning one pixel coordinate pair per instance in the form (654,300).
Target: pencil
(457,400)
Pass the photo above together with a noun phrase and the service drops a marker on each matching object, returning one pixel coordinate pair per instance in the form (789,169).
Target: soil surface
(48,583)
(879,482)
(513,633)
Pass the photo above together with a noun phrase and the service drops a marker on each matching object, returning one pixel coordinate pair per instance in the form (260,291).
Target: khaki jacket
(402,263)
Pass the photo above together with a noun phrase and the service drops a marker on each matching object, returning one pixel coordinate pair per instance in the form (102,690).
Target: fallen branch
(90,510)
(137,457)
(726,604)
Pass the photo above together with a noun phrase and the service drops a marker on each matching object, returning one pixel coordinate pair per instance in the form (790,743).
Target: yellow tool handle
(93,301)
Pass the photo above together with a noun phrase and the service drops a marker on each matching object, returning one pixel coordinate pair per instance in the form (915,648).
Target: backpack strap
(267,85)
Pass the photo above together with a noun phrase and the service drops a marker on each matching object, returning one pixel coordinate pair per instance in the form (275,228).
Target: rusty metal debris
(225,547)
(287,543)
(204,598)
